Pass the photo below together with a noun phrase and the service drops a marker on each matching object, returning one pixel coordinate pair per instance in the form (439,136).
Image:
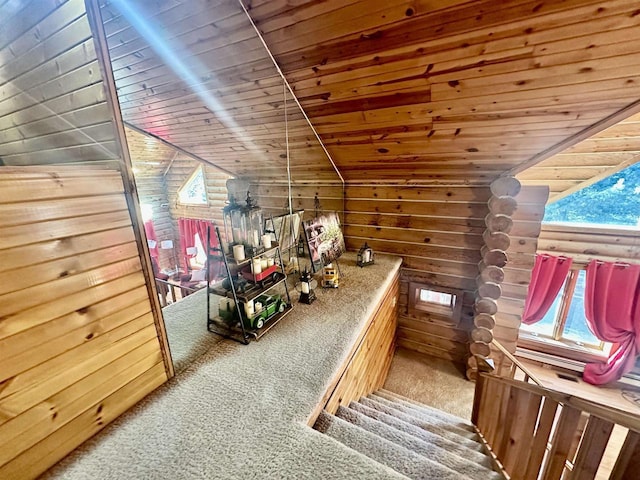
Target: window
(442,302)
(201,255)
(194,191)
(565,322)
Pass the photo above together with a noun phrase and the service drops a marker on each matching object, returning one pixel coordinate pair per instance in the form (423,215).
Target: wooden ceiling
(450,92)
(149,156)
(593,159)
(196,75)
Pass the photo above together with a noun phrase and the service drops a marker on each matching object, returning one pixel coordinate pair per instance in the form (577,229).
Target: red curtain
(613,314)
(151,235)
(188,227)
(547,278)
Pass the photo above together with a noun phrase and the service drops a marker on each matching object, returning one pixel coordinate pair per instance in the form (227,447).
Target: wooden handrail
(620,417)
(534,432)
(528,374)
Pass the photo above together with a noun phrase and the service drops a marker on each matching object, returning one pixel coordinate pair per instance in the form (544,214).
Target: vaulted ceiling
(454,92)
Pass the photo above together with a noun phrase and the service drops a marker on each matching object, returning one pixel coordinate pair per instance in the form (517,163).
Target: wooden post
(502,205)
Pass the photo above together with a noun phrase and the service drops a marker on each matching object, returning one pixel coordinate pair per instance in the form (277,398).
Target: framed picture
(287,228)
(324,239)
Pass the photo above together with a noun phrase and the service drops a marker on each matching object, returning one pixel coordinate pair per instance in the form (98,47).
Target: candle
(256,266)
(256,239)
(249,309)
(266,241)
(237,235)
(367,256)
(305,287)
(270,262)
(264,264)
(238,252)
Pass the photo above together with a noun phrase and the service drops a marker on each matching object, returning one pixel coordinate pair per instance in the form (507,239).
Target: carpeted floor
(240,411)
(432,381)
(186,324)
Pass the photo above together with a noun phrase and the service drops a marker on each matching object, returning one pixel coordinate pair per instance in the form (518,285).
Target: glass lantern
(253,219)
(365,256)
(234,223)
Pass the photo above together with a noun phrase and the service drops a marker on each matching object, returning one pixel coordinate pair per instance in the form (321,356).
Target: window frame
(556,344)
(195,172)
(452,313)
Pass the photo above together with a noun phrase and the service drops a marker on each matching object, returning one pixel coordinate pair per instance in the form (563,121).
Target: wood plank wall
(438,232)
(78,343)
(517,273)
(53,107)
(366,367)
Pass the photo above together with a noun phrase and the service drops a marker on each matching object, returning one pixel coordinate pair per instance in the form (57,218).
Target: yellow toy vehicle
(330,277)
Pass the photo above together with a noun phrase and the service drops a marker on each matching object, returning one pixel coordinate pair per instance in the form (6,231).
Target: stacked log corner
(502,205)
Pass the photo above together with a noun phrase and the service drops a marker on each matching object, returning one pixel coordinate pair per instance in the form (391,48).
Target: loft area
(166,166)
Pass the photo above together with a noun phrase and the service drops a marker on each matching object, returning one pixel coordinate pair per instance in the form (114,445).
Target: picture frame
(286,227)
(324,239)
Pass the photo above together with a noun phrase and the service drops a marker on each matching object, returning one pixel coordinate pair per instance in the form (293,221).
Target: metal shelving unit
(242,291)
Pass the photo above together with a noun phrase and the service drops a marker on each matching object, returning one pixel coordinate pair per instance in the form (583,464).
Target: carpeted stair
(415,440)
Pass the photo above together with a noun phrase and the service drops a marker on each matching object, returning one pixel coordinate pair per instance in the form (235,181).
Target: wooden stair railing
(515,365)
(534,432)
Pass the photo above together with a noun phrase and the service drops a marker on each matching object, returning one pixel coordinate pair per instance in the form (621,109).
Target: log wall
(521,257)
(584,243)
(438,232)
(78,341)
(273,197)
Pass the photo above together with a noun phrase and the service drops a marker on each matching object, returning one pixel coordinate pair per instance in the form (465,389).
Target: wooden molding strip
(94,16)
(588,132)
(293,95)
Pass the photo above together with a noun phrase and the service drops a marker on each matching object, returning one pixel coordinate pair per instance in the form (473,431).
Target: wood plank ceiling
(196,75)
(452,91)
(593,159)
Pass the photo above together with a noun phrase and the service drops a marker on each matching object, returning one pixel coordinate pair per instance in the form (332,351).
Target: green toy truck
(270,305)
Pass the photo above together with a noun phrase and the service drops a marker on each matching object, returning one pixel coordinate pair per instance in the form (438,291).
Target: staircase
(415,440)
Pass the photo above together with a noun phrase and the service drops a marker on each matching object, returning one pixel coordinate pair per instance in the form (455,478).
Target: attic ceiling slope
(452,92)
(196,75)
(589,161)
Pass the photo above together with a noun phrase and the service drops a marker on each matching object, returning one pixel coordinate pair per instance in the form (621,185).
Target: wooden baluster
(522,437)
(541,438)
(592,447)
(628,463)
(561,443)
(479,402)
(516,444)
